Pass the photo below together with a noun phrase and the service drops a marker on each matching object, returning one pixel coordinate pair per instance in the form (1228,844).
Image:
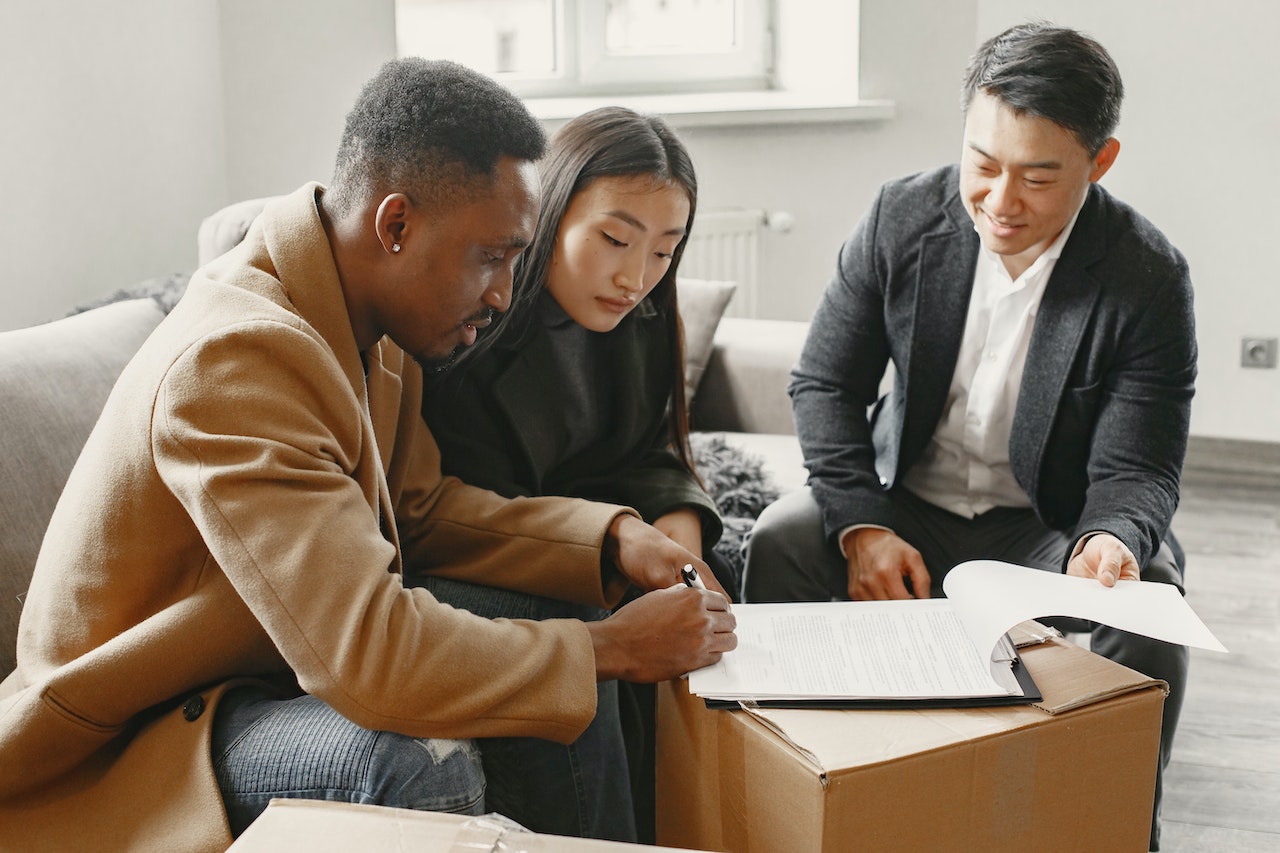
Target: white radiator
(725,246)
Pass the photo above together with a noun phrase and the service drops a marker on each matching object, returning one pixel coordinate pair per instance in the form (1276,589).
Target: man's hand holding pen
(676,627)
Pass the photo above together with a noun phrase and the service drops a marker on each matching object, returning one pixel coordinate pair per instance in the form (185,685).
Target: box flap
(1072,677)
(1031,633)
(316,826)
(834,740)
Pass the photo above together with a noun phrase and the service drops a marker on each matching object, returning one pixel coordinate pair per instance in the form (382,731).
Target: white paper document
(852,650)
(999,595)
(952,648)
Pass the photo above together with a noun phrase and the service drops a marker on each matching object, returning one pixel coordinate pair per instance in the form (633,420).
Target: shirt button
(192,710)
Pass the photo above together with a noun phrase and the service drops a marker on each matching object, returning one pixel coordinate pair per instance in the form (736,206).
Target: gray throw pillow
(702,304)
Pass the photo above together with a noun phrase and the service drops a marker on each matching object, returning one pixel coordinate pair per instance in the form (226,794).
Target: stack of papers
(855,651)
(934,651)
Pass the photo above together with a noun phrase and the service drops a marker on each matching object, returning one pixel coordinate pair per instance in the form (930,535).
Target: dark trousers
(789,558)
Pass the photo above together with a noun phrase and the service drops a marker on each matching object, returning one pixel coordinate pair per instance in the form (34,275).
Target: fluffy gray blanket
(741,488)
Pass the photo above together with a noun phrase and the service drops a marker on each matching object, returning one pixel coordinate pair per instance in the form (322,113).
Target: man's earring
(395,247)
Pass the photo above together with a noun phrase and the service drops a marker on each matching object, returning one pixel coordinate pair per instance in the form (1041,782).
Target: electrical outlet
(1257,352)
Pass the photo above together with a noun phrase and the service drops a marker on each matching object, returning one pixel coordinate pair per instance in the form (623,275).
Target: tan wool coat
(244,507)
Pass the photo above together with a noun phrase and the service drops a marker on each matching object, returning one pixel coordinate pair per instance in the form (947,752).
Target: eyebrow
(631,220)
(515,241)
(1038,164)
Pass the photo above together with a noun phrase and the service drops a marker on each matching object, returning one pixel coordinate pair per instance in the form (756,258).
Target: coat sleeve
(258,434)
(837,379)
(1143,414)
(656,483)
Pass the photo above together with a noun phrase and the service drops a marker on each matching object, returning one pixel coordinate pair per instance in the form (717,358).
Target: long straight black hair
(612,142)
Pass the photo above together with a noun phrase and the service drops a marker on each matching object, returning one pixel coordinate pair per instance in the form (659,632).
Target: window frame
(747,66)
(584,67)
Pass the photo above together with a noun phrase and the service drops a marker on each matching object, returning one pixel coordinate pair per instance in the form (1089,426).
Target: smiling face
(454,268)
(1022,178)
(614,245)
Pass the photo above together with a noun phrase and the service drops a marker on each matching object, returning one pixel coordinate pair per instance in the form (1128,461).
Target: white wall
(111,144)
(116,142)
(292,70)
(913,53)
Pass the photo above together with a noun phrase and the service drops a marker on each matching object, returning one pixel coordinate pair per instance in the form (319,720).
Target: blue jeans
(264,747)
(583,789)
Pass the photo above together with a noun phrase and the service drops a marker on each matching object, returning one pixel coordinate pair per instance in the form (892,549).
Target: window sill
(723,109)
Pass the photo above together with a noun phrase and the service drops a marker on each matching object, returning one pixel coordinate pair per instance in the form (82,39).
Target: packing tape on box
(733,784)
(494,833)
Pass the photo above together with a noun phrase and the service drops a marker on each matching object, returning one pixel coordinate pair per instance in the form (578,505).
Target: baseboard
(1232,460)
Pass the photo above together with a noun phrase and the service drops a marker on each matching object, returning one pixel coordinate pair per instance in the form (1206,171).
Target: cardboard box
(1074,772)
(315,826)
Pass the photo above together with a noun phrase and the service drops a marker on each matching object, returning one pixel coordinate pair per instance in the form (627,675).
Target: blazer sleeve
(1143,415)
(258,434)
(655,483)
(837,379)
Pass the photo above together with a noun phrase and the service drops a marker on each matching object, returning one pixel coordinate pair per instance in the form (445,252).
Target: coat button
(192,710)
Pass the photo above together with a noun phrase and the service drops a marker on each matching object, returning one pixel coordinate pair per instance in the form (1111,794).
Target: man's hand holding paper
(1104,557)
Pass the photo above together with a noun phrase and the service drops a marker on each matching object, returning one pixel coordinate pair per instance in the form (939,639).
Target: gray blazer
(1101,424)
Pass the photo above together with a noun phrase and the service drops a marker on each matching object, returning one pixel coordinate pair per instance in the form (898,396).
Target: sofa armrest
(744,388)
(54,380)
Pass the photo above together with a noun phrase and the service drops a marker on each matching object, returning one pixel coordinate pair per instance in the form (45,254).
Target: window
(546,48)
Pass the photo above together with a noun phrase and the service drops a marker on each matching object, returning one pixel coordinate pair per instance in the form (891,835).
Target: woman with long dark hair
(580,392)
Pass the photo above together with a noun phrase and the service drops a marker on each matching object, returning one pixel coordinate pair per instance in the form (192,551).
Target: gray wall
(127,122)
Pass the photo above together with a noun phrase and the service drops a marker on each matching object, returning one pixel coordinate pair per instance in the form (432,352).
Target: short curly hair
(429,128)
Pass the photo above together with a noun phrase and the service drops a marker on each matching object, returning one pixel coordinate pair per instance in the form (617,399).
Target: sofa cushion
(781,461)
(702,304)
(54,380)
(223,230)
(744,388)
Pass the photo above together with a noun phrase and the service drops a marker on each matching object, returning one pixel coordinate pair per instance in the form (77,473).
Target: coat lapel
(523,386)
(1068,303)
(943,286)
(299,249)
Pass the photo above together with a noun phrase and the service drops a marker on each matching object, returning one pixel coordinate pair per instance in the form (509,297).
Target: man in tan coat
(237,523)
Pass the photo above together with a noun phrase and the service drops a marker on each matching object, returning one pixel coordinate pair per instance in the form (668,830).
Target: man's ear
(1106,157)
(391,221)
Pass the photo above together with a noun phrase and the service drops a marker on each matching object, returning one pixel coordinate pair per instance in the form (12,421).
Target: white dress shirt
(965,468)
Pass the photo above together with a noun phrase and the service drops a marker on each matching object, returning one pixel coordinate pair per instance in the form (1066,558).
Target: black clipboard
(1030,695)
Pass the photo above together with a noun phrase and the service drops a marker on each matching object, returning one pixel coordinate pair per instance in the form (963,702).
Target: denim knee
(427,774)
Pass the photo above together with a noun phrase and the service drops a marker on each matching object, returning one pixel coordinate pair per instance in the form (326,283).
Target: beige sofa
(55,378)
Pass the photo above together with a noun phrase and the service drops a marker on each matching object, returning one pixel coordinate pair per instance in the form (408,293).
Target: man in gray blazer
(1043,345)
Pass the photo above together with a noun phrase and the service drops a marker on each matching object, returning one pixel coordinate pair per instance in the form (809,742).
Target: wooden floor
(1222,791)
